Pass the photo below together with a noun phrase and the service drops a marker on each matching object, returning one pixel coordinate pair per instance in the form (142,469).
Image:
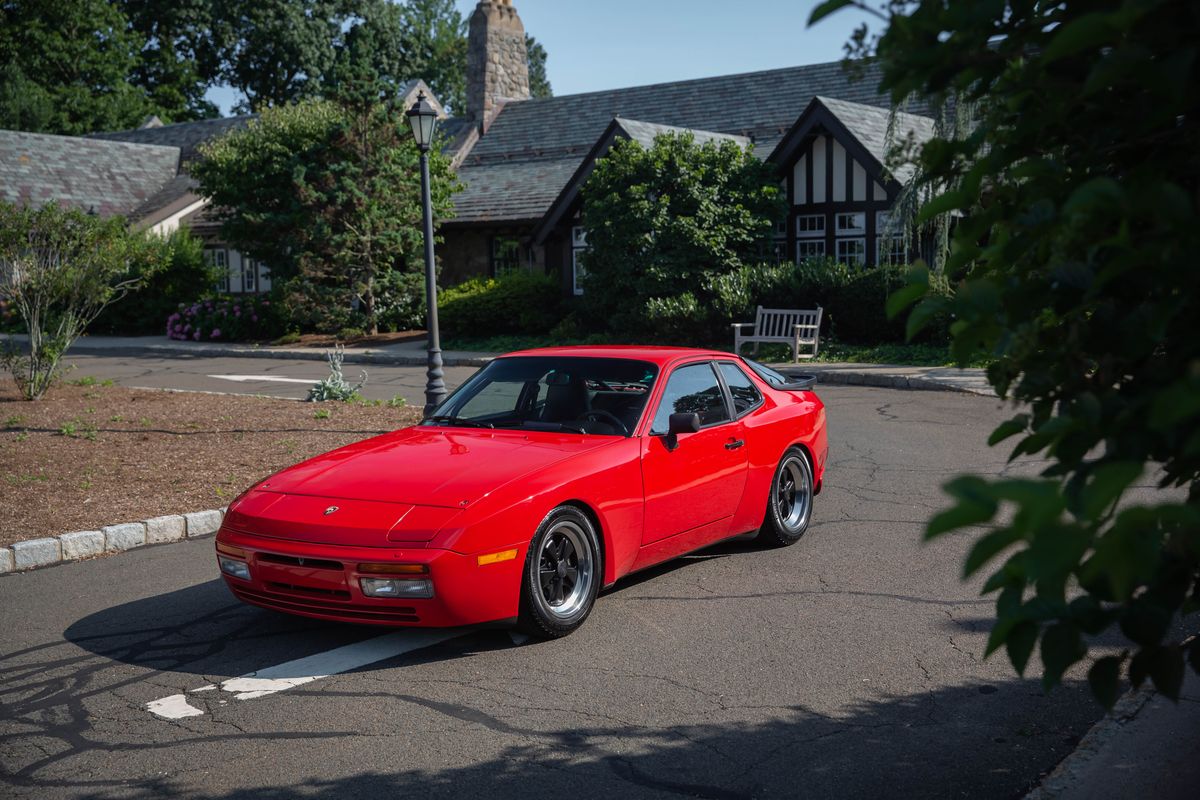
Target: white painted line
(295,673)
(174,707)
(266,378)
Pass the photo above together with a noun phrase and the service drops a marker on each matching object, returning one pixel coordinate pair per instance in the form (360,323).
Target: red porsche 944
(546,476)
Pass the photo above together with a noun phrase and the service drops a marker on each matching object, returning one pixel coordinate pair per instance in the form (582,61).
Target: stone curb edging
(78,545)
(849,377)
(1069,770)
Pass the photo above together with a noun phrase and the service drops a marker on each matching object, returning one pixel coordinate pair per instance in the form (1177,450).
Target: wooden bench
(795,328)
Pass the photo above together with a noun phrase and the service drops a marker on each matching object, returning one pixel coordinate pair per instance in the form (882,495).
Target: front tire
(562,575)
(790,502)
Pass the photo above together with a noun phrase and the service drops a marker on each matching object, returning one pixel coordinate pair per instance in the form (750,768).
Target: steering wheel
(604,416)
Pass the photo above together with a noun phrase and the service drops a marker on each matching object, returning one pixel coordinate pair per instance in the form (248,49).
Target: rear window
(745,394)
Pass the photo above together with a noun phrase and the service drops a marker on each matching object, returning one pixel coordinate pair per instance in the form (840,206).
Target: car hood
(430,466)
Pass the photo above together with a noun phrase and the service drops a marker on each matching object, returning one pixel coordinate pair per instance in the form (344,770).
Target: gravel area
(89,456)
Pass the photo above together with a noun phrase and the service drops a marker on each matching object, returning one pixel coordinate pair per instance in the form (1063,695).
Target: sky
(608,44)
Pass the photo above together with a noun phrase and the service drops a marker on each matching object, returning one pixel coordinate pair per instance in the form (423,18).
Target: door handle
(734,444)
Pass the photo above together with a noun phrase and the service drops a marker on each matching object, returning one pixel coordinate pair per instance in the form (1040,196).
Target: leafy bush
(184,276)
(400,300)
(521,302)
(315,308)
(853,298)
(225,319)
(664,223)
(336,387)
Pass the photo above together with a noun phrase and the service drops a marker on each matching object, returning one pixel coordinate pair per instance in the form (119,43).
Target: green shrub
(315,308)
(185,276)
(346,334)
(226,319)
(853,299)
(400,301)
(521,302)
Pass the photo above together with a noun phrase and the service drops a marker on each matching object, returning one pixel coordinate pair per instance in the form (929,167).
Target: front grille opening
(336,594)
(307,563)
(315,607)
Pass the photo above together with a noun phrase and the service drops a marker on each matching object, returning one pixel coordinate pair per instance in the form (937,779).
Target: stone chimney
(497,62)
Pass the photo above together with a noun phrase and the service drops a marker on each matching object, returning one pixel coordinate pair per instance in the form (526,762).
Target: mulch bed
(89,456)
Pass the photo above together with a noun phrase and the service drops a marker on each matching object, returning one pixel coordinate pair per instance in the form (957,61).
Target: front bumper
(322,581)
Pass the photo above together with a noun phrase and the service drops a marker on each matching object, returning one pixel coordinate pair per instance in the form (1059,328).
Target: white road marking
(266,378)
(295,673)
(174,707)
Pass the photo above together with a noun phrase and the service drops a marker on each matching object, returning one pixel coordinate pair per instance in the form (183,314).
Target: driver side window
(691,389)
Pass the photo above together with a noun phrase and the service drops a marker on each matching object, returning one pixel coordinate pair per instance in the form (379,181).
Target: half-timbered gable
(833,165)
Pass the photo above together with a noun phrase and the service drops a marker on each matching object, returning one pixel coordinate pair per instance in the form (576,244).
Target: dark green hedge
(521,302)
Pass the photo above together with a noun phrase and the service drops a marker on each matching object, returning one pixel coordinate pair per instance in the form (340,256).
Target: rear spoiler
(799,383)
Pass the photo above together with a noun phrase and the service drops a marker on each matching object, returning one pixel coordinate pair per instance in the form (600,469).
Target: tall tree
(181,56)
(1074,258)
(434,47)
(327,193)
(539,84)
(279,51)
(665,223)
(64,67)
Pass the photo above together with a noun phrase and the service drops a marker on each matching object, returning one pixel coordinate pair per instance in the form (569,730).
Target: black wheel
(790,502)
(562,575)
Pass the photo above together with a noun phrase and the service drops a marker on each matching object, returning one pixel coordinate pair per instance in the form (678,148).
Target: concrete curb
(1069,770)
(79,545)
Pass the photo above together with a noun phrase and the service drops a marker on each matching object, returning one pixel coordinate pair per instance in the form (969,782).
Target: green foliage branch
(59,269)
(1078,187)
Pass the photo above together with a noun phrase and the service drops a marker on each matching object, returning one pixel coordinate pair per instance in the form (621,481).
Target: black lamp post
(423,119)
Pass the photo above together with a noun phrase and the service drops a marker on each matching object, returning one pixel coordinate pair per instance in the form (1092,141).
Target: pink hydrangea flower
(196,336)
(216,334)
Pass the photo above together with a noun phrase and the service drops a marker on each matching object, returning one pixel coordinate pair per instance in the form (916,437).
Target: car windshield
(601,396)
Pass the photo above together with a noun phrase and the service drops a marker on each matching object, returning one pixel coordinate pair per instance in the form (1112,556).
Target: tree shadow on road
(960,741)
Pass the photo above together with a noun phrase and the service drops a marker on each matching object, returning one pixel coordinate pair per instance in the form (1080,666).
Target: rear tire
(790,501)
(562,575)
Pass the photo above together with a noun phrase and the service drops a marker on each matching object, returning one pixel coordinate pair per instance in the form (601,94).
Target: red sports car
(547,475)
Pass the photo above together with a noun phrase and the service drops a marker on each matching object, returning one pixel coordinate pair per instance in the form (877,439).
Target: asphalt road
(266,376)
(849,665)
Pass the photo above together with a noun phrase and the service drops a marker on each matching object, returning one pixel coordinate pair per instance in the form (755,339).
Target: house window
(851,222)
(809,248)
(579,246)
(219,258)
(778,253)
(882,220)
(810,225)
(851,251)
(250,275)
(506,255)
(890,250)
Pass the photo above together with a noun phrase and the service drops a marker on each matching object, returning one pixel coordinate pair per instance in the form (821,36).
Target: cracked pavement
(849,665)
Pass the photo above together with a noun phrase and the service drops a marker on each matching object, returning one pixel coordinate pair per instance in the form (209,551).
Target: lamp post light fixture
(422,117)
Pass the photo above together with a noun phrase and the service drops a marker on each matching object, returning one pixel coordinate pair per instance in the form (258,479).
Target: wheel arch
(803,447)
(601,534)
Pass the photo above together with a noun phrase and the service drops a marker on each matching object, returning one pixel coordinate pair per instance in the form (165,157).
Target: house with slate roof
(523,161)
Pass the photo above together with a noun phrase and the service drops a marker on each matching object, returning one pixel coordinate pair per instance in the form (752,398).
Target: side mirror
(680,423)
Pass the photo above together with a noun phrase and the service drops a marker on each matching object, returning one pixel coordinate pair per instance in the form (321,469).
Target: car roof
(656,354)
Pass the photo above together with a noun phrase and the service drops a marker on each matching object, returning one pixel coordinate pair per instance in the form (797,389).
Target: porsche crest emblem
(330,510)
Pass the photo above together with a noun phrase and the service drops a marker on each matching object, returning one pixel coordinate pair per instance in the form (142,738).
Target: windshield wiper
(452,420)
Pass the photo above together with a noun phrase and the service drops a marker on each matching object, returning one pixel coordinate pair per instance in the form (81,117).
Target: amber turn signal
(227,550)
(394,569)
(495,558)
